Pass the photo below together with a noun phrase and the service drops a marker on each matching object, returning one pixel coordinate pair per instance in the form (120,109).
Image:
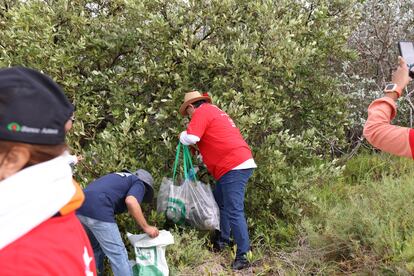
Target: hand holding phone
(406,49)
(400,76)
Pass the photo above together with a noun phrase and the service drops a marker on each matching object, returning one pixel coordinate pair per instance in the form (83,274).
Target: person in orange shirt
(378,129)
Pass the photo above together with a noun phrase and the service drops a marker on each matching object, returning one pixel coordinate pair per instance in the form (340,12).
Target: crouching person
(105,197)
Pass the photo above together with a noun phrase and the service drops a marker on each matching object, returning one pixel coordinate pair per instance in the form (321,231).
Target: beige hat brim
(184,106)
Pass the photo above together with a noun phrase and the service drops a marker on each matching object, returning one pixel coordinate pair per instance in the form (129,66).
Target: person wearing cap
(107,196)
(229,159)
(40,232)
(378,129)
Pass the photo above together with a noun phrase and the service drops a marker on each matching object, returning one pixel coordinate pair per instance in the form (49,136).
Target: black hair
(198,103)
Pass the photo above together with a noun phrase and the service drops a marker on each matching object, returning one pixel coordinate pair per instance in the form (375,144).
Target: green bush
(127,64)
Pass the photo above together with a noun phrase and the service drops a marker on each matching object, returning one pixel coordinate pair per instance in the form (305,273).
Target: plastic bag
(203,212)
(163,193)
(150,253)
(191,202)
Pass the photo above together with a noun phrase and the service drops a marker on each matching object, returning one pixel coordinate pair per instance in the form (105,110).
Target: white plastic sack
(191,202)
(203,210)
(150,253)
(162,196)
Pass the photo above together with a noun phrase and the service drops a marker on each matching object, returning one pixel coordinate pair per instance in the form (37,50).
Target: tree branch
(120,54)
(164,14)
(207,35)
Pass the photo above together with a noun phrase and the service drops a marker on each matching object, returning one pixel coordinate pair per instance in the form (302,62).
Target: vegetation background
(295,75)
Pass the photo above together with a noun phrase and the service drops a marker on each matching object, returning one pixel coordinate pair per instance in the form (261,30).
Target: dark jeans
(229,195)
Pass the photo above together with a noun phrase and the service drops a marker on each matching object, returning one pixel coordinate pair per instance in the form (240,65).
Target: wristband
(392,87)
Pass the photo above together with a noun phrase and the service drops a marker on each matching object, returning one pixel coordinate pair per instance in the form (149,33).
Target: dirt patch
(213,266)
(218,265)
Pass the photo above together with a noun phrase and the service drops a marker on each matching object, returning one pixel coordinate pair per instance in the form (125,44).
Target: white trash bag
(191,202)
(150,253)
(163,193)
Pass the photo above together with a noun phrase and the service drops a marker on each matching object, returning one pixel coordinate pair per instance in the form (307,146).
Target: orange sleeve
(381,134)
(75,202)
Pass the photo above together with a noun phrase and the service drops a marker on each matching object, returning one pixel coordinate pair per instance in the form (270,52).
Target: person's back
(221,143)
(105,197)
(58,246)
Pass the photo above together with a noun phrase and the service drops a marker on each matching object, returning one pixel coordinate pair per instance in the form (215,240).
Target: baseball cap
(33,108)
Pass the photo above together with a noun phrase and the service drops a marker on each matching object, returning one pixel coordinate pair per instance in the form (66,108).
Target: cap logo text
(15,127)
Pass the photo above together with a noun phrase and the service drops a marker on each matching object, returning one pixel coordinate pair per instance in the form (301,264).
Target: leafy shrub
(127,64)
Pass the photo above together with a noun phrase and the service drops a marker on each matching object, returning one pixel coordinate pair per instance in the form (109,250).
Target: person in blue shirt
(107,196)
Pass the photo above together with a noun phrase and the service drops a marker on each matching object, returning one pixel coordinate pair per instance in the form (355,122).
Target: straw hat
(192,97)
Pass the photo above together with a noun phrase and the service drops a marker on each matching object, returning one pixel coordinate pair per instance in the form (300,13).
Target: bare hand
(400,76)
(79,157)
(152,231)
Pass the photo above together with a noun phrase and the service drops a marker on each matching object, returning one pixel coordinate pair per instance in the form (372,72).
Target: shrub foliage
(127,64)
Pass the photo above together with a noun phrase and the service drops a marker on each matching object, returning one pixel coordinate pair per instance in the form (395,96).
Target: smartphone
(407,52)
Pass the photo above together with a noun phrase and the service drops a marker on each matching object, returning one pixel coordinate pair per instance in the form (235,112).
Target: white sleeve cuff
(188,139)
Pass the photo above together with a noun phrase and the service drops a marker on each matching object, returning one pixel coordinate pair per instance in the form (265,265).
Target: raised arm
(378,129)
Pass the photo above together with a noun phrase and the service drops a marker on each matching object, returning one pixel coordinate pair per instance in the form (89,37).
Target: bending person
(229,159)
(112,194)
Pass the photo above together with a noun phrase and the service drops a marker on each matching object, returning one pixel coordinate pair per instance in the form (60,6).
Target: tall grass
(365,220)
(355,220)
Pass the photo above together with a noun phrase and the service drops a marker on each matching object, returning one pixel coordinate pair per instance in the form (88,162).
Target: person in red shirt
(40,233)
(229,159)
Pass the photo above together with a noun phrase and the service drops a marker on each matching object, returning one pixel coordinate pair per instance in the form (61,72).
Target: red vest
(58,246)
